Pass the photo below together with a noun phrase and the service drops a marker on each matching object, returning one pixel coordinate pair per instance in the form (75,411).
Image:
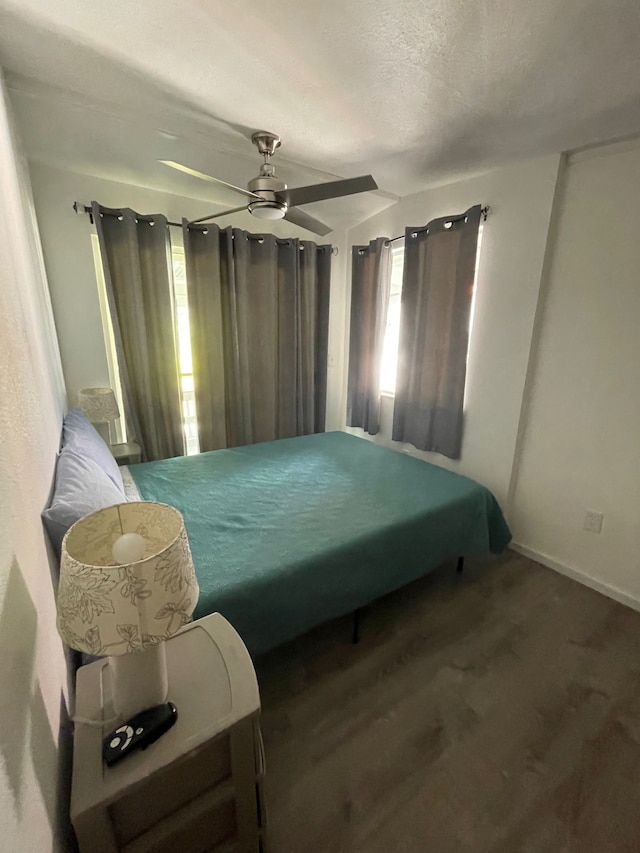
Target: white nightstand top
(126,450)
(213,685)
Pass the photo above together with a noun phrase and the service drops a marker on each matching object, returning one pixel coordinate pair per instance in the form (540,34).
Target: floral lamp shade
(118,593)
(99,404)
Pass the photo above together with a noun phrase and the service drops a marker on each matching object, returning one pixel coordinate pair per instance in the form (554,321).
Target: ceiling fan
(269,197)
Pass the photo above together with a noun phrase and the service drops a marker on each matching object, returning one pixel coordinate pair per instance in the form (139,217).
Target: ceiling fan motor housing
(266,186)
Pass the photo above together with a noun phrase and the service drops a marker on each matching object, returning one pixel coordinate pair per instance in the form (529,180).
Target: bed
(288,534)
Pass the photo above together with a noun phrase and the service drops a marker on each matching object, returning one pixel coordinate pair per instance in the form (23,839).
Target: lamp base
(104,431)
(139,680)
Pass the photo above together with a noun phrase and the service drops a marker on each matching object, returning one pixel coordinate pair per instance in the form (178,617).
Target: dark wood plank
(495,711)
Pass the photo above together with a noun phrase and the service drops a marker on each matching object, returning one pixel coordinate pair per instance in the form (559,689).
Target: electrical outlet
(592,521)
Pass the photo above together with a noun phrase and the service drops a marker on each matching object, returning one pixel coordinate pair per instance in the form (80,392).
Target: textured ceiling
(414,92)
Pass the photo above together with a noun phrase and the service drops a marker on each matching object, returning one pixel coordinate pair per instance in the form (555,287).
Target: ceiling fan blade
(303,220)
(195,174)
(333,189)
(217,215)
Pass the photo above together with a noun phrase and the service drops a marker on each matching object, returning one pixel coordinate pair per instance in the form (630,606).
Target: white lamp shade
(99,404)
(110,608)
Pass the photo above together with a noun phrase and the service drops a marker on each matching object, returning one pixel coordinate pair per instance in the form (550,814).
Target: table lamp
(101,407)
(127,584)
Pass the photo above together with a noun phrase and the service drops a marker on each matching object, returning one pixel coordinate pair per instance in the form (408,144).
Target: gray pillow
(81,436)
(81,487)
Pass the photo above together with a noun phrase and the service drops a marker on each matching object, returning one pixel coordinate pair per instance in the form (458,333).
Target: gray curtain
(370,282)
(437,290)
(259,319)
(136,260)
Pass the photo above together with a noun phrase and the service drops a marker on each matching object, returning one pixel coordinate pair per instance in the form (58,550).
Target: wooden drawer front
(198,827)
(168,791)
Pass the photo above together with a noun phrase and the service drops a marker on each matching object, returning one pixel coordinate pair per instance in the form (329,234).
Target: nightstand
(199,788)
(126,454)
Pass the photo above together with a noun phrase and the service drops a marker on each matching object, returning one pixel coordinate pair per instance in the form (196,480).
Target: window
(475,290)
(118,427)
(189,417)
(389,362)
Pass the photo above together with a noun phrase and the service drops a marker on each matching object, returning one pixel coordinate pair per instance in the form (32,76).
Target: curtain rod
(81,209)
(485,211)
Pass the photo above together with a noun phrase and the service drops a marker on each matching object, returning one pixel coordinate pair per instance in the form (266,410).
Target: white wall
(70,268)
(33,672)
(511,260)
(581,442)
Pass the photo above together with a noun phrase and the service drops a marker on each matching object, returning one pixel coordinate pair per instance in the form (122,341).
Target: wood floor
(494,711)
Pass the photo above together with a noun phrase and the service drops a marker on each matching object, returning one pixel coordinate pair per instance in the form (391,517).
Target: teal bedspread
(288,534)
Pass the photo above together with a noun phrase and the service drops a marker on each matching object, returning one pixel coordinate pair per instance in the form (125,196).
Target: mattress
(288,534)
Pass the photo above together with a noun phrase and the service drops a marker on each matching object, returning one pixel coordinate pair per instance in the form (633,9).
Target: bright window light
(189,415)
(389,363)
(472,313)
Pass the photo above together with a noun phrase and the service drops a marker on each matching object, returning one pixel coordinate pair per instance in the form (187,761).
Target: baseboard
(576,575)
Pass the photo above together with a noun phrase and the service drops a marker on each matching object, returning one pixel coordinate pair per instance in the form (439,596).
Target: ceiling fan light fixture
(268,209)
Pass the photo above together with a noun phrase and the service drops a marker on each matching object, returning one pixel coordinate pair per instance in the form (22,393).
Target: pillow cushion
(81,488)
(80,435)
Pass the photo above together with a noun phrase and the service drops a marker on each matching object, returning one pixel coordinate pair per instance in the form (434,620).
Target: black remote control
(138,732)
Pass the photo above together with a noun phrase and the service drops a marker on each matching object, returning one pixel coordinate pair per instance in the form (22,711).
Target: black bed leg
(460,565)
(356,625)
